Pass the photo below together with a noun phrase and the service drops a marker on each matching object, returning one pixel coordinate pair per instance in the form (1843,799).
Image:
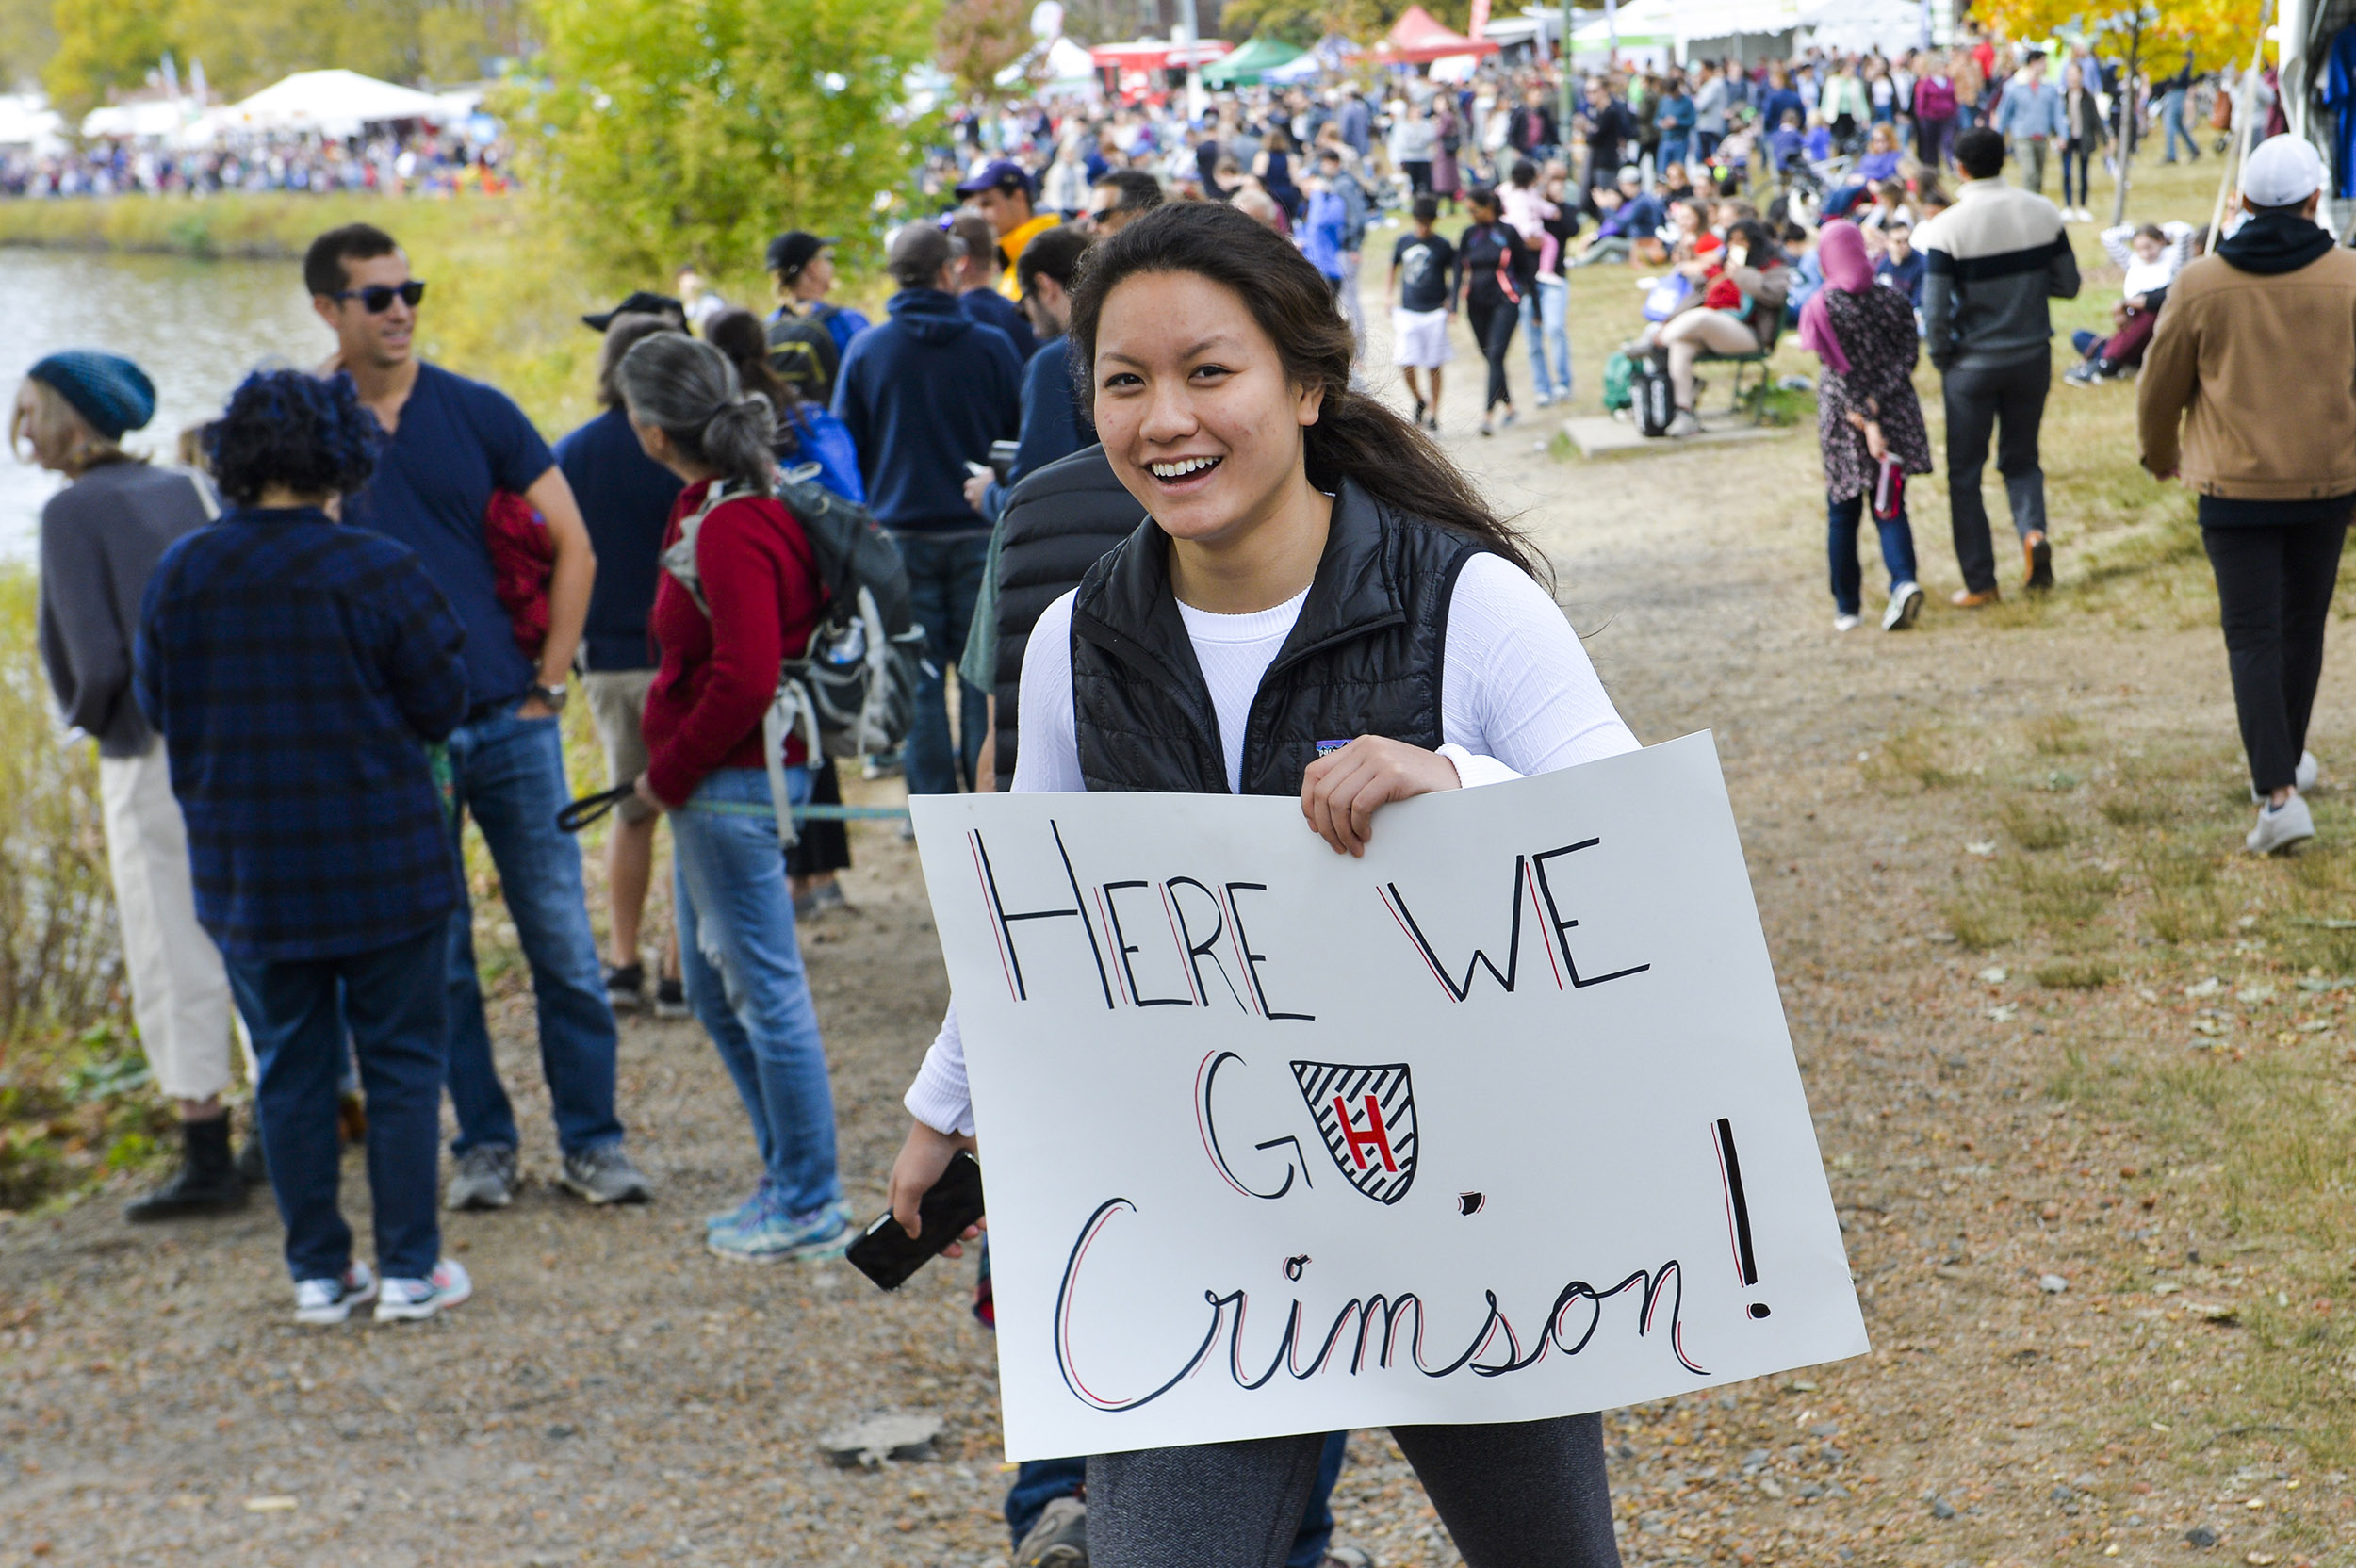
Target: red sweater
(718,673)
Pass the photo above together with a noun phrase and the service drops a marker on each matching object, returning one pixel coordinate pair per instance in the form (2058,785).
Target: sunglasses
(378,297)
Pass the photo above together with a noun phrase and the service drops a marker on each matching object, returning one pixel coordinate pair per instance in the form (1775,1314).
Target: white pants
(179,992)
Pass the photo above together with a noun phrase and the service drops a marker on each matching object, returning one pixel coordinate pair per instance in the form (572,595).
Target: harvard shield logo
(1366,1116)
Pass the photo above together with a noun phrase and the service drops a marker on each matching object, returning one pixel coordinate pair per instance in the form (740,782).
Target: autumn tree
(693,130)
(1299,22)
(977,39)
(2160,37)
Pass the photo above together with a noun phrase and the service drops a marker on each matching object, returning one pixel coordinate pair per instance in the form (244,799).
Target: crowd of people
(419,163)
(1116,424)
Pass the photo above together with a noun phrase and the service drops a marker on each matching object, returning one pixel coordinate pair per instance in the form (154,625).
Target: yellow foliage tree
(2160,37)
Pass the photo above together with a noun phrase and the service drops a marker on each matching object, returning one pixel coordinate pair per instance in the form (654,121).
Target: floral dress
(1876,329)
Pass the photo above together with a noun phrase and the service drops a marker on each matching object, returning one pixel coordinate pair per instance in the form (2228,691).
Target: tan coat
(2258,373)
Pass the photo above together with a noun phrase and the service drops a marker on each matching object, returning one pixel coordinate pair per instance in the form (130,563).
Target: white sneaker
(2278,828)
(410,1300)
(2303,777)
(325,1302)
(1905,603)
(1684,424)
(1845,622)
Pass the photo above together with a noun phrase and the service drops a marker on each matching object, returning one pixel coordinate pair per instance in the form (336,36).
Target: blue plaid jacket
(296,669)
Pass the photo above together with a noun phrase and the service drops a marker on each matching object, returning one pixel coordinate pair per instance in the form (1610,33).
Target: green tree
(695,131)
(977,39)
(27,39)
(100,47)
(1299,22)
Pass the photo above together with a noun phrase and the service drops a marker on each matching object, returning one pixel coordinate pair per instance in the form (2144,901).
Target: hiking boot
(2039,557)
(327,1301)
(775,1237)
(626,987)
(485,1178)
(413,1300)
(670,998)
(605,1174)
(1059,1539)
(206,1183)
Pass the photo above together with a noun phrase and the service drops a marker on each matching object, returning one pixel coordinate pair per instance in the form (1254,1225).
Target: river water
(196,327)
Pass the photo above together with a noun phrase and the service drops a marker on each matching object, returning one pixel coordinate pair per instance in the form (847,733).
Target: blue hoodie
(923,393)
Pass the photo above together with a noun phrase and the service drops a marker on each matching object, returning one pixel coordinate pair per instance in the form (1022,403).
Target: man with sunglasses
(451,443)
(1118,198)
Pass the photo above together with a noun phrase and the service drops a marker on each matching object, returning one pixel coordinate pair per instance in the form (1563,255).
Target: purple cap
(1000,171)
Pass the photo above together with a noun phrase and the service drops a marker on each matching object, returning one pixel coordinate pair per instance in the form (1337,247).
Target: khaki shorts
(616,700)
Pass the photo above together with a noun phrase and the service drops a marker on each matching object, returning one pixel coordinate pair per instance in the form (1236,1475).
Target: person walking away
(2173,92)
(278,621)
(1991,262)
(451,443)
(1423,269)
(2150,256)
(2272,456)
(100,539)
(924,393)
(808,433)
(740,595)
(975,247)
(1736,310)
(801,273)
(625,503)
(2085,135)
(2030,119)
(1002,193)
(1179,595)
(1869,425)
(1935,110)
(1495,272)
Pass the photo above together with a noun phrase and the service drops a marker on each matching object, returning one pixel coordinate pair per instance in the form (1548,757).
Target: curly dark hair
(293,430)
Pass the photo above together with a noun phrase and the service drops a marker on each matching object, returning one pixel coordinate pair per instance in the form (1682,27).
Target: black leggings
(2274,596)
(1493,327)
(1513,1494)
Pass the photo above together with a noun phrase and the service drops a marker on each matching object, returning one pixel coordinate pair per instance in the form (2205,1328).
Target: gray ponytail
(689,390)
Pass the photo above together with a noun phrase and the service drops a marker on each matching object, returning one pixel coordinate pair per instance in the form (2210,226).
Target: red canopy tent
(1418,38)
(1157,54)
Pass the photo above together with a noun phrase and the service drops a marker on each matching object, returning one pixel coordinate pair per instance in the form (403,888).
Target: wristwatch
(553,696)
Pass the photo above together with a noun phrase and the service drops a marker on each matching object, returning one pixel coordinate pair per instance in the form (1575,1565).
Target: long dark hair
(1357,436)
(739,334)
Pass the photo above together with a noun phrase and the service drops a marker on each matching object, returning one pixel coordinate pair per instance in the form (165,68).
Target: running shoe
(1846,622)
(485,1178)
(1686,423)
(743,1214)
(605,1174)
(775,1237)
(2281,826)
(325,1302)
(414,1300)
(1059,1539)
(1906,605)
(2303,777)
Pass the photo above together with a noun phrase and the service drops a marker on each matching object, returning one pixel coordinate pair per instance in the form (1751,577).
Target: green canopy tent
(1243,67)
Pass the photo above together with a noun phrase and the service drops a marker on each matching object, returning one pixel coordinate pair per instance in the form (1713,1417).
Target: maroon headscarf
(1841,251)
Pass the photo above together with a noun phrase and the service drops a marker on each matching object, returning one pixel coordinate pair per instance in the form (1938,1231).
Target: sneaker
(605,1174)
(2082,374)
(2303,777)
(413,1300)
(2281,826)
(1059,1539)
(2040,556)
(485,1178)
(827,899)
(775,1237)
(1975,599)
(1685,424)
(1845,622)
(1510,416)
(626,987)
(1905,604)
(323,1301)
(743,1214)
(670,998)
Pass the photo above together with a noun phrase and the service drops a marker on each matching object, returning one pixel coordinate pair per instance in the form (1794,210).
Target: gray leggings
(1517,1494)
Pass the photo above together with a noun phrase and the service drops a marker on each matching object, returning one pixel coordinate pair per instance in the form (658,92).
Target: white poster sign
(1499,1122)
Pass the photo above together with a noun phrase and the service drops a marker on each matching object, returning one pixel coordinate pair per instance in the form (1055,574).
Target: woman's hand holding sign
(1341,789)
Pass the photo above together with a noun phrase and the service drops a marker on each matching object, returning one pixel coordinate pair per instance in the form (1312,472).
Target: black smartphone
(885,1253)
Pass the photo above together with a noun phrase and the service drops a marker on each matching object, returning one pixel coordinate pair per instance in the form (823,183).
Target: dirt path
(614,1396)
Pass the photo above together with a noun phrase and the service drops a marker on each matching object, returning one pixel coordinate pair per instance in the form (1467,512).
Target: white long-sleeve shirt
(2149,277)
(1517,697)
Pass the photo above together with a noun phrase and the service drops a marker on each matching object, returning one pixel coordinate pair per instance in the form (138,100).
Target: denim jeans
(399,1020)
(509,773)
(1041,1481)
(1671,150)
(944,578)
(1848,578)
(1542,325)
(746,981)
(2172,115)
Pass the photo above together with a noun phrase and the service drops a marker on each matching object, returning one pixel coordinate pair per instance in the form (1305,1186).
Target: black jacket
(1058,521)
(1365,659)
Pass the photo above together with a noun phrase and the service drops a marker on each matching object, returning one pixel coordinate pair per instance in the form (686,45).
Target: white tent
(27,120)
(1851,26)
(1640,24)
(149,119)
(334,102)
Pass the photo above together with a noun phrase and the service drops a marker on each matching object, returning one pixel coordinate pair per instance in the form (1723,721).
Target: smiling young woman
(1311,567)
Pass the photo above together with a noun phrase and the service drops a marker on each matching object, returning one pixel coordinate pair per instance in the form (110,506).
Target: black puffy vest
(1060,521)
(1363,658)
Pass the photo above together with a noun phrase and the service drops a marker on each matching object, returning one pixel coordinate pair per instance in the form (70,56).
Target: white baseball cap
(2282,172)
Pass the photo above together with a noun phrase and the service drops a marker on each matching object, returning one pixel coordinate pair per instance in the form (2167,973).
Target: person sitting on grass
(298,670)
(2151,255)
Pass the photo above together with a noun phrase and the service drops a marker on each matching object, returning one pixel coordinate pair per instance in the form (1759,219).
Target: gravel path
(614,1396)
